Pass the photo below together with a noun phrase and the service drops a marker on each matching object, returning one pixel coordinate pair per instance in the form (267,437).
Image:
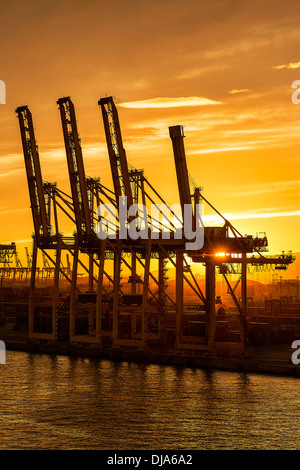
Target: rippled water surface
(58,402)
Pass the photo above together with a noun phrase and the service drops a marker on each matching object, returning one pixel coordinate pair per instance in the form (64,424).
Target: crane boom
(176,134)
(76,168)
(116,151)
(34,176)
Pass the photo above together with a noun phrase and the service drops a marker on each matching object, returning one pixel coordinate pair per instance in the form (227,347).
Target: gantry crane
(83,191)
(43,200)
(122,189)
(130,183)
(42,226)
(225,241)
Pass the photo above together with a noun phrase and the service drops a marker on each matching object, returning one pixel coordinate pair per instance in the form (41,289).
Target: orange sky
(219,68)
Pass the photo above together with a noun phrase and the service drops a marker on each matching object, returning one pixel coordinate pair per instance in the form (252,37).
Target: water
(58,402)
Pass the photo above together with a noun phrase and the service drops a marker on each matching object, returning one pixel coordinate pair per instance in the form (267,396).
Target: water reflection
(61,402)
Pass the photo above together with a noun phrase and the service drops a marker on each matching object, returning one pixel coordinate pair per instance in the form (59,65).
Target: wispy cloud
(215,150)
(10,211)
(264,215)
(252,131)
(196,72)
(239,90)
(170,102)
(273,142)
(10,173)
(215,219)
(291,65)
(269,187)
(88,150)
(23,240)
(12,159)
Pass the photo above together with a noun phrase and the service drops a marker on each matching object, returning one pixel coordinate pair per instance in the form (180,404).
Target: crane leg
(210,280)
(32,288)
(99,292)
(179,296)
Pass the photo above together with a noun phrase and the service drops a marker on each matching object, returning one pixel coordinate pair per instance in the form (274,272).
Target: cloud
(10,173)
(241,90)
(291,65)
(24,240)
(197,72)
(11,159)
(216,219)
(9,211)
(269,187)
(265,215)
(170,102)
(229,149)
